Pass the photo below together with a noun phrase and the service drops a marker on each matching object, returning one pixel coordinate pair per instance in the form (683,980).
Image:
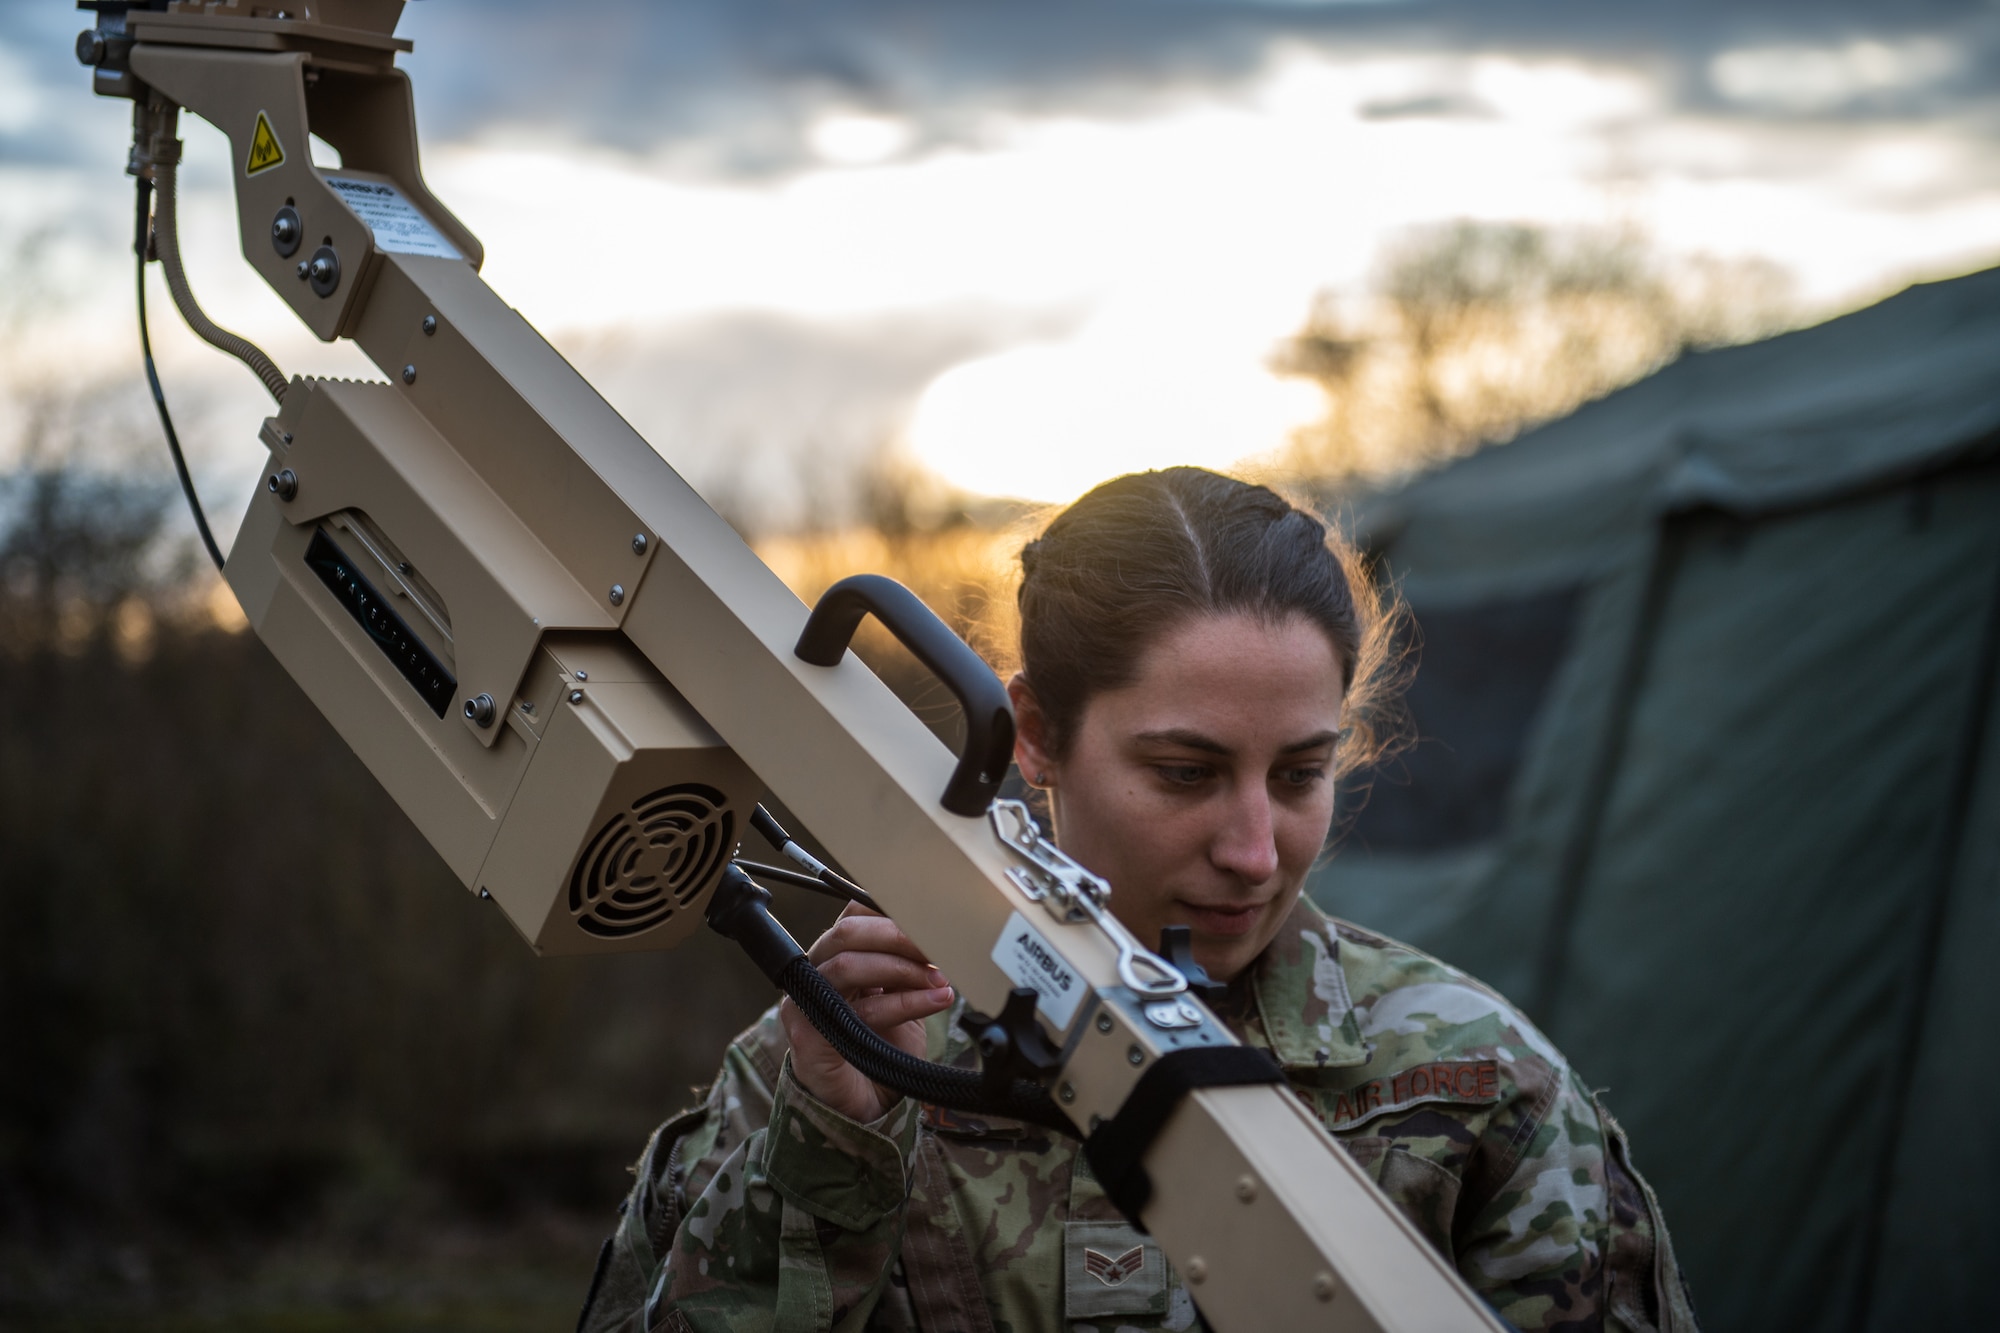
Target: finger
(891,1008)
(872,934)
(853,973)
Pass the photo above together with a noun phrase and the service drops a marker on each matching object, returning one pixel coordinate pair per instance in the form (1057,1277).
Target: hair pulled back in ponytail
(1142,553)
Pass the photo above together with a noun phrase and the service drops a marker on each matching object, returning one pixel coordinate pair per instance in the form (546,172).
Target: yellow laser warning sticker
(264,150)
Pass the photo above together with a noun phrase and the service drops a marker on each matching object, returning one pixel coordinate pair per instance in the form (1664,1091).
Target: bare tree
(1474,331)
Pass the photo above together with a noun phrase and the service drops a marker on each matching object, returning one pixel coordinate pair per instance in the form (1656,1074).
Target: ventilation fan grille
(651,860)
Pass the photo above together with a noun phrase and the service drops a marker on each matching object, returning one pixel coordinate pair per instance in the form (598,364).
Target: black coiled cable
(740,910)
(941,1085)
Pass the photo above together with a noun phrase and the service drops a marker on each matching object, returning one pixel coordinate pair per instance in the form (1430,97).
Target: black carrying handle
(989,713)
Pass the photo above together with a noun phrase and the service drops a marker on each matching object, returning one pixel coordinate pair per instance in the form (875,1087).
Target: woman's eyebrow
(1181,736)
(1194,740)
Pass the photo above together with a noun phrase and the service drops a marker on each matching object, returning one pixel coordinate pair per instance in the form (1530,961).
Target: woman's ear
(1031,733)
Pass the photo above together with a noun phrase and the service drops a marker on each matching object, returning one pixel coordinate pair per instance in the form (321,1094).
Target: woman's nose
(1247,844)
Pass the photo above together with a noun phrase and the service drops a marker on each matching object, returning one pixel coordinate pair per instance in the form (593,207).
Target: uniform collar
(1303,998)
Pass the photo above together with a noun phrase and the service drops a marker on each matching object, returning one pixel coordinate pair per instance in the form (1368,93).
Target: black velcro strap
(1117,1149)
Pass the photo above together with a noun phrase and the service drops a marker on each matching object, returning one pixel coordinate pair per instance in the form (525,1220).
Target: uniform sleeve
(1573,1241)
(791,1222)
(799,1229)
(680,1159)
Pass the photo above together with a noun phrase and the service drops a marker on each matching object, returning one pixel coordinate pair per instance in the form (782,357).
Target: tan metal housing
(615,666)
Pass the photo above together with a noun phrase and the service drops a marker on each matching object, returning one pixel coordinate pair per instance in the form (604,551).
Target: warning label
(1028,959)
(264,150)
(398,226)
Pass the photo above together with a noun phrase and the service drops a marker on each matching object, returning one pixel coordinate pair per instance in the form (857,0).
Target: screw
(285,435)
(286,232)
(1246,1188)
(617,594)
(90,48)
(1135,1056)
(324,270)
(409,374)
(485,895)
(576,696)
(527,705)
(1197,1270)
(284,484)
(479,709)
(1104,1022)
(1066,1092)
(638,543)
(430,325)
(305,269)
(1323,1285)
(583,675)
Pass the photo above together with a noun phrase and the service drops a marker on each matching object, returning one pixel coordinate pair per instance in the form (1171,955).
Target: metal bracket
(1072,894)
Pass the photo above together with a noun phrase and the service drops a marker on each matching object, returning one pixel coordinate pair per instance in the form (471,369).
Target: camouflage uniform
(764,1209)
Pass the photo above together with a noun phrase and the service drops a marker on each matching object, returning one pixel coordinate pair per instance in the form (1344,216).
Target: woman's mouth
(1227,922)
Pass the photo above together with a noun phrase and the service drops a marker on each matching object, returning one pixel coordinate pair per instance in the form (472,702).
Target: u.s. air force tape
(1117,1149)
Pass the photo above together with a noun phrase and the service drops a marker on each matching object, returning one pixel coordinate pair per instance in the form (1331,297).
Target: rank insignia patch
(1113,1272)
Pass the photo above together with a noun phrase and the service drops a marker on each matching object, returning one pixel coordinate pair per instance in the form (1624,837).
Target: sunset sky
(1029,243)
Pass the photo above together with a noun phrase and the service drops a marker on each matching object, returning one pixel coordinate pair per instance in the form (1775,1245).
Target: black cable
(774,833)
(798,879)
(941,1085)
(153,379)
(740,910)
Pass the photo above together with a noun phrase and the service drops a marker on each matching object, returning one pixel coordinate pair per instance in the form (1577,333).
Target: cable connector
(155,136)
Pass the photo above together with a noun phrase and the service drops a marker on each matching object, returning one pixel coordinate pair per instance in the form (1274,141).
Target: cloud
(740,87)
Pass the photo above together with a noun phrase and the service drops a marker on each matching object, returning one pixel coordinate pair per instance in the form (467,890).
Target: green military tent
(1708,780)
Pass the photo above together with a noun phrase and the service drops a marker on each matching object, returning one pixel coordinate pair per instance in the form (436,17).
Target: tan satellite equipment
(577,680)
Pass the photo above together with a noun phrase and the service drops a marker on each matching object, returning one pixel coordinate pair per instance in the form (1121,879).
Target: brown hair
(1142,553)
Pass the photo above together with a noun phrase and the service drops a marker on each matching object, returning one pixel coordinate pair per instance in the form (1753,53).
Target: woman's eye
(1181,775)
(1304,777)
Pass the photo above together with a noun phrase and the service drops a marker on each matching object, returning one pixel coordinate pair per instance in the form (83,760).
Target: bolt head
(576,696)
(479,710)
(305,269)
(283,483)
(1324,1286)
(89,47)
(617,594)
(1104,1022)
(1135,1056)
(1197,1270)
(638,543)
(1246,1188)
(409,374)
(430,325)
(286,231)
(1067,1093)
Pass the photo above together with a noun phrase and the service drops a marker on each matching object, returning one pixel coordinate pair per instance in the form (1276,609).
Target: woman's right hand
(894,988)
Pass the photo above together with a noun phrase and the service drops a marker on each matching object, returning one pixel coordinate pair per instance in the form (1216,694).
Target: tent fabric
(1746,863)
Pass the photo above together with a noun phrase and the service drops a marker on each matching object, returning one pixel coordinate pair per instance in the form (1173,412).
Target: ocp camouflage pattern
(762,1209)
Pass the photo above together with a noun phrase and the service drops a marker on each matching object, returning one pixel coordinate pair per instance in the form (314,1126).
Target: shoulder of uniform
(1402,994)
(757,1053)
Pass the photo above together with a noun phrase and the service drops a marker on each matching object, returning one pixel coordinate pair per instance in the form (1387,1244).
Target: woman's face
(1203,790)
